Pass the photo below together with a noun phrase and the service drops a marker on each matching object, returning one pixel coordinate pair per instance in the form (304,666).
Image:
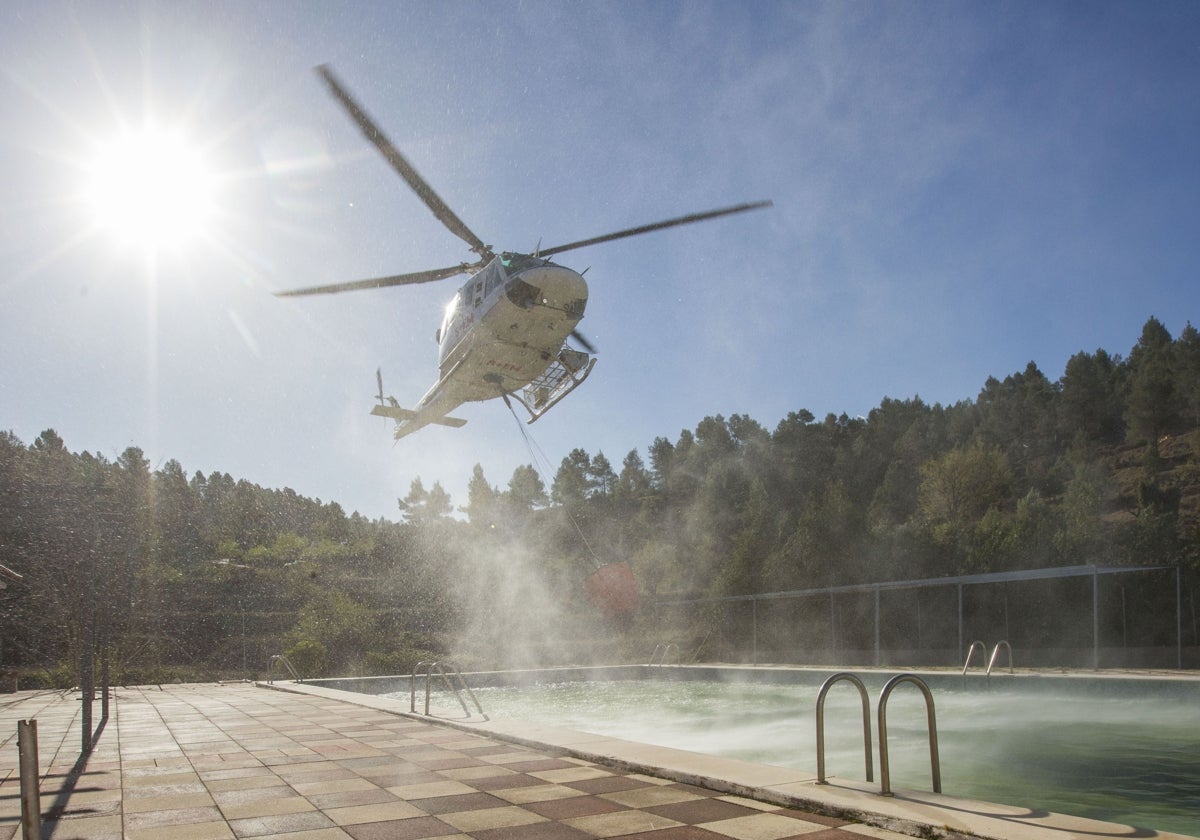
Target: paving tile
(162,819)
(474,801)
(749,803)
(606,784)
(178,801)
(832,822)
(620,822)
(310,834)
(318,786)
(416,828)
(513,780)
(345,799)
(381,812)
(470,822)
(228,800)
(83,828)
(445,787)
(536,831)
(707,809)
(269,807)
(682,832)
(646,797)
(563,775)
(194,831)
(280,824)
(763,826)
(536,793)
(267,782)
(577,806)
(540,764)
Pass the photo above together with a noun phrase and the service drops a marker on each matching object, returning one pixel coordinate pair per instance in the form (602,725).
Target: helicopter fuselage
(503,330)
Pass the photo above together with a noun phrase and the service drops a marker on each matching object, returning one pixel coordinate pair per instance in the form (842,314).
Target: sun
(151,189)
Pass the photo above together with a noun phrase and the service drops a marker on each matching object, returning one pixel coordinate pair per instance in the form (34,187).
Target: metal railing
(996,653)
(866,713)
(885,776)
(281,659)
(31,799)
(992,660)
(885,780)
(971,652)
(447,673)
(661,654)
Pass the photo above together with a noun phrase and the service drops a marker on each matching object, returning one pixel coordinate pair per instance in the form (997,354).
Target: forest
(174,576)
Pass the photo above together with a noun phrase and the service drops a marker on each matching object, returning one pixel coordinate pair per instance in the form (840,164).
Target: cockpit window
(516,263)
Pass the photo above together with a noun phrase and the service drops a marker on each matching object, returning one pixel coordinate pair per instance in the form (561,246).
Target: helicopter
(505,333)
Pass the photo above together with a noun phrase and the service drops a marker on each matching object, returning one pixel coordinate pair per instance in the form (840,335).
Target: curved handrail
(665,650)
(971,652)
(279,657)
(441,673)
(412,684)
(996,653)
(931,717)
(866,712)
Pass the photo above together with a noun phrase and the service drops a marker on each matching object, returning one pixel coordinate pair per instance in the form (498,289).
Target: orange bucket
(613,589)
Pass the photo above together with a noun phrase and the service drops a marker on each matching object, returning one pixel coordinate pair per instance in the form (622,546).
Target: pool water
(1118,757)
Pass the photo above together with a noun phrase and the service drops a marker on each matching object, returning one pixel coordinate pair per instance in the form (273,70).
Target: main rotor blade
(405,169)
(583,341)
(682,220)
(381,282)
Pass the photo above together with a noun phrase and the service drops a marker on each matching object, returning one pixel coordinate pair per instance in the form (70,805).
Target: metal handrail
(971,652)
(279,657)
(866,712)
(447,681)
(996,652)
(665,650)
(931,717)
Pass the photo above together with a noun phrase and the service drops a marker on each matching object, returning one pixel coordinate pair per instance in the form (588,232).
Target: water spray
(611,586)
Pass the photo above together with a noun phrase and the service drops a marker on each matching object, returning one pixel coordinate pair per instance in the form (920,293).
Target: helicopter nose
(561,288)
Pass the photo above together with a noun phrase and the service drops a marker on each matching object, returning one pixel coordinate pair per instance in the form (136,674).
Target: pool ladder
(283,660)
(991,661)
(662,653)
(451,678)
(885,775)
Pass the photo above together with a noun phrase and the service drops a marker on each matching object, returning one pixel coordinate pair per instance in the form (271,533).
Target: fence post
(31,800)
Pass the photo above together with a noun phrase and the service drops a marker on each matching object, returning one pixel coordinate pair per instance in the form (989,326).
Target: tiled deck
(221,761)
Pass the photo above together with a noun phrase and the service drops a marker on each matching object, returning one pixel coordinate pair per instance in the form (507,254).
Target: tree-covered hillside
(207,575)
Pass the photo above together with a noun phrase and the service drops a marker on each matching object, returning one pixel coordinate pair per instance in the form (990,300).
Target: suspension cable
(531,445)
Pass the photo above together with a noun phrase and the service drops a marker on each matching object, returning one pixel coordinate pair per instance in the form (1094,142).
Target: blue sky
(959,188)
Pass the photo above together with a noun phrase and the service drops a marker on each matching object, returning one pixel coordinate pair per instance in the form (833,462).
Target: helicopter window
(523,294)
(516,263)
(494,278)
(451,309)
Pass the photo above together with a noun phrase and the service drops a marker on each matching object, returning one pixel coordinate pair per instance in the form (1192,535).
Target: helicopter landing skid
(564,375)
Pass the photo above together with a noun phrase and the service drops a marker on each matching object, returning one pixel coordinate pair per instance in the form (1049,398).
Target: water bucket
(613,589)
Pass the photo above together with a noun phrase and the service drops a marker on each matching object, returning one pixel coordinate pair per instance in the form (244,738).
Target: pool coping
(917,813)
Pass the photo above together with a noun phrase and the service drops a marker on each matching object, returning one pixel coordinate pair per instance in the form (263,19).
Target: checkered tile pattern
(199,762)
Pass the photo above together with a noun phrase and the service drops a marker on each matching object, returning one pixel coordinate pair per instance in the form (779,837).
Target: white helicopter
(505,332)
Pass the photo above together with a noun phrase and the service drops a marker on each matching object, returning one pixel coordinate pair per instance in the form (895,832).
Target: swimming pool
(1125,751)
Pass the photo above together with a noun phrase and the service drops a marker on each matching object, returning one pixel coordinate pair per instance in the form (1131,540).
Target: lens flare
(151,189)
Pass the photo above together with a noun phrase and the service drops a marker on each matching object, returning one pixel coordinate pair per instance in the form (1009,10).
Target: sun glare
(151,189)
